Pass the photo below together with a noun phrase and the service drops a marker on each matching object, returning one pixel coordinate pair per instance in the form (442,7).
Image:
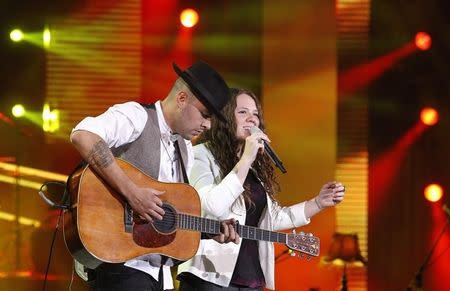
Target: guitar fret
(180,221)
(196,223)
(281,237)
(251,233)
(214,226)
(258,234)
(245,231)
(217,226)
(269,235)
(273,236)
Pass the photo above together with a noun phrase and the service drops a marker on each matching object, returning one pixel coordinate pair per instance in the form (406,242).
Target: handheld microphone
(269,151)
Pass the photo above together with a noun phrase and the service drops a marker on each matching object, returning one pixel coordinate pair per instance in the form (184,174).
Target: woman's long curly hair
(221,140)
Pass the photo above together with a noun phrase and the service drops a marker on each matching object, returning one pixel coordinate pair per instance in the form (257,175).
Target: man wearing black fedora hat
(156,139)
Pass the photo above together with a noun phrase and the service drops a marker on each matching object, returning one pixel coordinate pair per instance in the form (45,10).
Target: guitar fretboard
(206,225)
(211,226)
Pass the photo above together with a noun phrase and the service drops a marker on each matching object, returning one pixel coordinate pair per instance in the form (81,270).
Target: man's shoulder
(129,106)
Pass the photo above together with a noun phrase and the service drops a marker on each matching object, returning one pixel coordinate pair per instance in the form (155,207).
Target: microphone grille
(255,129)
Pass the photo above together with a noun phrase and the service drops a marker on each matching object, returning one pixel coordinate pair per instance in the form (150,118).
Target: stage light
(429,116)
(433,192)
(50,119)
(22,220)
(16,35)
(189,17)
(18,110)
(423,41)
(46,37)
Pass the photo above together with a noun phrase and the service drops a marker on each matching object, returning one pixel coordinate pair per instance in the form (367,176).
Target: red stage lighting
(433,192)
(189,17)
(429,116)
(423,41)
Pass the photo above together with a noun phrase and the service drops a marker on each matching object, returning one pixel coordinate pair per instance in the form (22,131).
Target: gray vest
(144,152)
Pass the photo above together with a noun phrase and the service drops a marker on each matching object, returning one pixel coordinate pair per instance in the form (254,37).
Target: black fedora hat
(207,85)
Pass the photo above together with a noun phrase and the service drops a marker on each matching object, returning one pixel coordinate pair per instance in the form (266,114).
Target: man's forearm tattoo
(100,155)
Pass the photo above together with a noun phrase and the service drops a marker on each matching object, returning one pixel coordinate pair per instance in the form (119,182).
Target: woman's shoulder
(201,149)
(201,152)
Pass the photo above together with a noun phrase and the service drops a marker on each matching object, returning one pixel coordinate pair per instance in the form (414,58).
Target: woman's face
(246,114)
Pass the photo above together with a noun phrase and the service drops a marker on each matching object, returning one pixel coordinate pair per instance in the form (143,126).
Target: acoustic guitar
(100,227)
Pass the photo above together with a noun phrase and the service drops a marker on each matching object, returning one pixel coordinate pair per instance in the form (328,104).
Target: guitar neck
(212,226)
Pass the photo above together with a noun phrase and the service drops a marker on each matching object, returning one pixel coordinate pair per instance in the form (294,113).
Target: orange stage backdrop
(299,98)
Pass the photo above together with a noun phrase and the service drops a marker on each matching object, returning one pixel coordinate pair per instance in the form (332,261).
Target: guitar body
(94,225)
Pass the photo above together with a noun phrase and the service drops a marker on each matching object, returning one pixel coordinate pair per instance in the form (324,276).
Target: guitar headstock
(305,243)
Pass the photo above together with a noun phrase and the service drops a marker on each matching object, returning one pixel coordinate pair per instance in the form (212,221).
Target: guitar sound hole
(169,222)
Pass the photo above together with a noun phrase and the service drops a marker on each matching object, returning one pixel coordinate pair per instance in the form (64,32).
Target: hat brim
(199,91)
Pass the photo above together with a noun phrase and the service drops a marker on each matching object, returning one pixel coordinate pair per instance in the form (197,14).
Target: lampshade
(346,248)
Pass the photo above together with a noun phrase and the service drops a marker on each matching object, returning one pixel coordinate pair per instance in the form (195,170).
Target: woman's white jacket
(222,199)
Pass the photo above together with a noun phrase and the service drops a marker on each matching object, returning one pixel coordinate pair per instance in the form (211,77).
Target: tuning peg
(293,231)
(291,253)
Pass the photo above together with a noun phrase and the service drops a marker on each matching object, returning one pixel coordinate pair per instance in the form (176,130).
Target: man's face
(194,117)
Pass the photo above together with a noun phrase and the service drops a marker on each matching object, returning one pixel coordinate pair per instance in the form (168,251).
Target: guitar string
(170,219)
(273,236)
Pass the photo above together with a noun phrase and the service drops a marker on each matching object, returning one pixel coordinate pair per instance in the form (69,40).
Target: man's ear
(182,99)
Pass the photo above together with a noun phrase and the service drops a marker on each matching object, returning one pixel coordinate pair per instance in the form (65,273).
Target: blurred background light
(16,35)
(18,110)
(189,17)
(423,41)
(429,116)
(433,192)
(46,37)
